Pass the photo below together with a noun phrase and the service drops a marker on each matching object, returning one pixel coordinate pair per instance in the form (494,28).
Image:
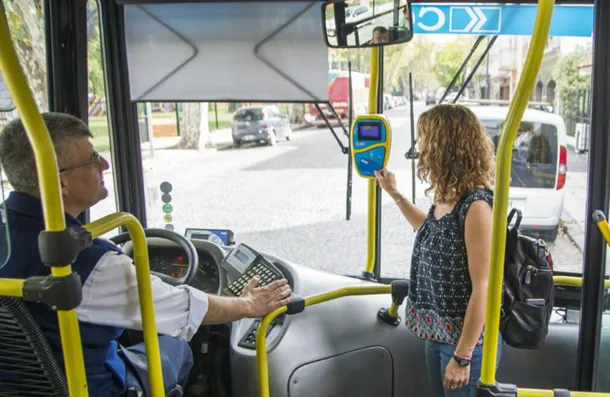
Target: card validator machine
(371,137)
(242,264)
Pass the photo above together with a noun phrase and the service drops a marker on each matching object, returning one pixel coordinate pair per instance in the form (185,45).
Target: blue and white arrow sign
(575,21)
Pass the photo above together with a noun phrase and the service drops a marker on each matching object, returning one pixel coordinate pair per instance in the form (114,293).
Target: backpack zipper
(532,272)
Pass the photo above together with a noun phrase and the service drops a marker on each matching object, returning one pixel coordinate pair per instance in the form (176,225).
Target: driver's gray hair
(17,157)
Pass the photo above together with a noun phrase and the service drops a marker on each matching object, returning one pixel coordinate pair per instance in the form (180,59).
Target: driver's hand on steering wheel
(263,300)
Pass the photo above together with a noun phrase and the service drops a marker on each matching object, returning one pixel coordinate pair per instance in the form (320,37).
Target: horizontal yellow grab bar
(570,281)
(550,393)
(11,287)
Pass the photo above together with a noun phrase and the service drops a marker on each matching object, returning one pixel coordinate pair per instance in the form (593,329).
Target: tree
(449,60)
(416,57)
(27,29)
(570,82)
(193,122)
(297,113)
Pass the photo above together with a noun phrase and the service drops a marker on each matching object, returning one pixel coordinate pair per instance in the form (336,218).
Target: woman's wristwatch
(462,361)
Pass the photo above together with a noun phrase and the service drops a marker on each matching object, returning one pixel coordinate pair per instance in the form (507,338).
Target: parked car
(265,123)
(358,13)
(539,166)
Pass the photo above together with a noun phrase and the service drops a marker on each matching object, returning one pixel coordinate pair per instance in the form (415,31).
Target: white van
(539,166)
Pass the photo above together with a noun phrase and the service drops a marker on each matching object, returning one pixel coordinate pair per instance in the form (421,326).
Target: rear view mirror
(6,101)
(372,25)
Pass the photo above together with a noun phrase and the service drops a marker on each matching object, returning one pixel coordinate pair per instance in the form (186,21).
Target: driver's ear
(63,183)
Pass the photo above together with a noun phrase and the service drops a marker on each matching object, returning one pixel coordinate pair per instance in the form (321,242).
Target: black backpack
(528,290)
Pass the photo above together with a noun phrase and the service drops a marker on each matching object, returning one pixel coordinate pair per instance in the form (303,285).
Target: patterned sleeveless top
(440,281)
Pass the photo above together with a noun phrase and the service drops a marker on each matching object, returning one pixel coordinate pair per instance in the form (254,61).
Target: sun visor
(226,52)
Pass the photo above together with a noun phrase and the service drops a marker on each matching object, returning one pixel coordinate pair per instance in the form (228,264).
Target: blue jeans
(176,363)
(437,358)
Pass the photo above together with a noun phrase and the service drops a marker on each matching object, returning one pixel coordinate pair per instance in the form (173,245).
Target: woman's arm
(478,227)
(413,214)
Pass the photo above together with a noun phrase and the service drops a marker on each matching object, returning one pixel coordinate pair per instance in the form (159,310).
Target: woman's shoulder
(481,193)
(477,194)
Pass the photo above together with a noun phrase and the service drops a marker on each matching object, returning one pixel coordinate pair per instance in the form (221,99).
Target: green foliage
(415,57)
(15,24)
(449,60)
(569,81)
(94,61)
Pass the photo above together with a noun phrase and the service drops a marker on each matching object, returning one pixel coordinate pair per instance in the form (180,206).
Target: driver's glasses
(94,159)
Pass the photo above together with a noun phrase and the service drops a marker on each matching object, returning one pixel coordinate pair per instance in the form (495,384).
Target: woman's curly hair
(456,155)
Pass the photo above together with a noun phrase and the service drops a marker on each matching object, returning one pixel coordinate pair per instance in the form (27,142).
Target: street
(290,200)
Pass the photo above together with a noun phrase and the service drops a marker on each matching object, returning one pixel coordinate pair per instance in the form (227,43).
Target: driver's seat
(26,354)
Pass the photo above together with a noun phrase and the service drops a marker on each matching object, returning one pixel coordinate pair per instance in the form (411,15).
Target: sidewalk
(218,138)
(573,216)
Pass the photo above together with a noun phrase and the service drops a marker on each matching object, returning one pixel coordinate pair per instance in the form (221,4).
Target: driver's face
(379,37)
(83,185)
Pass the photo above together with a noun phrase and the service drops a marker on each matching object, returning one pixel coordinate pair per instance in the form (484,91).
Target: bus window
(98,116)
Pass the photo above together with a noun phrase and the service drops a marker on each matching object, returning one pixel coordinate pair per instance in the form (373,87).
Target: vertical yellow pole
(372,188)
(503,167)
(48,174)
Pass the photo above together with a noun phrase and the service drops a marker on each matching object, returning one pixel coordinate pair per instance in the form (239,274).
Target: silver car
(260,124)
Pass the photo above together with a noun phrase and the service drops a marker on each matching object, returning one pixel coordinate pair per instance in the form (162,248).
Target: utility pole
(488,84)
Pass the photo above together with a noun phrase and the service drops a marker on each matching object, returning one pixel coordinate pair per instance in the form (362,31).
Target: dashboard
(173,261)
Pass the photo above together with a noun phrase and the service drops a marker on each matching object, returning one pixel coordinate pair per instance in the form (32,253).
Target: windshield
(281,186)
(535,153)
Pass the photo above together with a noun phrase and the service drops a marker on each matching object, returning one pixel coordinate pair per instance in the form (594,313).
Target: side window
(98,115)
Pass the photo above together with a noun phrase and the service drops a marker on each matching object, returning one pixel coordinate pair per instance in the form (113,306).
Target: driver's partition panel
(341,348)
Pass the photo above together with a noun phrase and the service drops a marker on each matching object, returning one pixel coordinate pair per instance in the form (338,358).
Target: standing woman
(449,267)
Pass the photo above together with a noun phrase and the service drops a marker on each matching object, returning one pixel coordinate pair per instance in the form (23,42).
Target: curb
(568,221)
(566,231)
(297,127)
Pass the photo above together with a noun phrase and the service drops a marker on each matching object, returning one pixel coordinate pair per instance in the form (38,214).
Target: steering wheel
(183,242)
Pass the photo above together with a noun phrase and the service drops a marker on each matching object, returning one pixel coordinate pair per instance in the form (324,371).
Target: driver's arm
(110,297)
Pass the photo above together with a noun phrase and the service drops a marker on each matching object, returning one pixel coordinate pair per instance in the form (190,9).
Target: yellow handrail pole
(551,393)
(261,351)
(602,224)
(52,205)
(138,238)
(11,287)
(569,281)
(261,332)
(503,167)
(393,311)
(372,188)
